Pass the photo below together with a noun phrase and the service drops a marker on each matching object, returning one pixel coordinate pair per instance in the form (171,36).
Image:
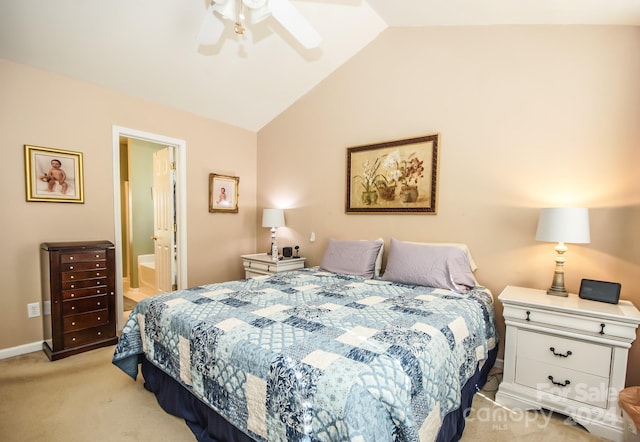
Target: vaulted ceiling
(148,48)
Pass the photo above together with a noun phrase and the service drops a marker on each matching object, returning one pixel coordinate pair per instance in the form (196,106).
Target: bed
(327,353)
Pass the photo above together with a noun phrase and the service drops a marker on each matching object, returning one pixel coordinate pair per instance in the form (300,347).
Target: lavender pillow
(356,258)
(445,267)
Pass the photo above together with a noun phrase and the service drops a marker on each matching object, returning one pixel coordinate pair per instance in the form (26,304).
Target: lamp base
(557,285)
(557,292)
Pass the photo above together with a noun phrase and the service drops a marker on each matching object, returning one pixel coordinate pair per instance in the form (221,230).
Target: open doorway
(150,213)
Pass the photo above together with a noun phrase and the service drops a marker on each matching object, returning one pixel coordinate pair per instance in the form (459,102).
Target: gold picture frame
(223,193)
(393,177)
(53,175)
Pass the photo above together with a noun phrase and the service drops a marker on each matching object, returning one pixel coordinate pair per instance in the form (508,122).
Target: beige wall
(528,117)
(43,109)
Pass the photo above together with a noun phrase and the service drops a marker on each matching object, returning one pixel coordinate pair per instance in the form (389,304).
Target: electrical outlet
(33,309)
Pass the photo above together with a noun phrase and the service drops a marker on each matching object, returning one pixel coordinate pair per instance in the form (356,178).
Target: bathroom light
(273,218)
(562,225)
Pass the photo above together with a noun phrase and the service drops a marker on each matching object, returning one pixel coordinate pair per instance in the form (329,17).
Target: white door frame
(180,148)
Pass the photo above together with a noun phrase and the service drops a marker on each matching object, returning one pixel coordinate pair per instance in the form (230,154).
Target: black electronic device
(287,252)
(602,291)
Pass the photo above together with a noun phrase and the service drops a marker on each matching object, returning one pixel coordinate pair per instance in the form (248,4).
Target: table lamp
(273,218)
(562,225)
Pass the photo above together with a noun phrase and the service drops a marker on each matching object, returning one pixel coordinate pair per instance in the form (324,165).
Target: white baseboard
(20,350)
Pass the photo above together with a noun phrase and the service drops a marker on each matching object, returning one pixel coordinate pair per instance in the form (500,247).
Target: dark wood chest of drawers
(78,288)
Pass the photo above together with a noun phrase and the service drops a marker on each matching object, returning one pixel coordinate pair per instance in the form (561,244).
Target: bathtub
(147,274)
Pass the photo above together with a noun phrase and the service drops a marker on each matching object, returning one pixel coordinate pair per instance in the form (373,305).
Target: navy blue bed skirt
(209,426)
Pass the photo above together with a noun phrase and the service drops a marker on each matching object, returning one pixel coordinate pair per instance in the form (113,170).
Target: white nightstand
(261,264)
(567,355)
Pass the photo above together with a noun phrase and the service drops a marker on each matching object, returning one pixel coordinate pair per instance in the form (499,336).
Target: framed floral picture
(53,175)
(395,176)
(223,193)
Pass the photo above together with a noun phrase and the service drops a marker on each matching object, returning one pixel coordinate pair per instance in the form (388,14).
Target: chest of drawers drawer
(80,293)
(69,279)
(85,320)
(83,266)
(82,256)
(83,305)
(88,336)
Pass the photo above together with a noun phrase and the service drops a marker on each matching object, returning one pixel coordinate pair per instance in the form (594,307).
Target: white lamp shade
(273,218)
(564,224)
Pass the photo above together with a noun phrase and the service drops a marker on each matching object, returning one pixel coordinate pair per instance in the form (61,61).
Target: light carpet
(86,398)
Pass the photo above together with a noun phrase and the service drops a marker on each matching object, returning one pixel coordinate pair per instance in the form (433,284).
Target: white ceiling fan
(234,10)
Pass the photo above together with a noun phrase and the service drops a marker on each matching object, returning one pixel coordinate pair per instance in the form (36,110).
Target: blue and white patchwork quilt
(316,356)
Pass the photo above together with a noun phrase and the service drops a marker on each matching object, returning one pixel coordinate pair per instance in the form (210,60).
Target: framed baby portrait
(53,175)
(223,193)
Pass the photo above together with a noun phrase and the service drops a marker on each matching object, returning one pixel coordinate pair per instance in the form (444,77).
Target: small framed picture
(53,175)
(223,193)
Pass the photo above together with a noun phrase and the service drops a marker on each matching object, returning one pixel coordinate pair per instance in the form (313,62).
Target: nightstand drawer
(562,382)
(261,266)
(568,353)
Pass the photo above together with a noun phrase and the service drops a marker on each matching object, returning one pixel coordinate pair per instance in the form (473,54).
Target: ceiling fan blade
(259,14)
(211,28)
(294,22)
